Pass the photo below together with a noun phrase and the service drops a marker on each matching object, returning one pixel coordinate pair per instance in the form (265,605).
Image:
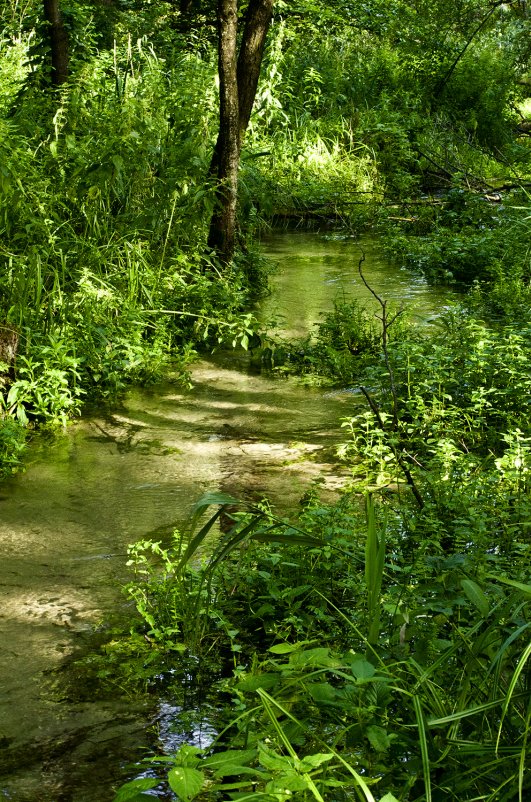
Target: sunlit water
(133,472)
(316,270)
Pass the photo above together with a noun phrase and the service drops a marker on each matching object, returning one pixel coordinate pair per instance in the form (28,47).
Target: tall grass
(358,705)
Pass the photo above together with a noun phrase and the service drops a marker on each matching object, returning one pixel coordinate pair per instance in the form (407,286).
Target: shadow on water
(116,477)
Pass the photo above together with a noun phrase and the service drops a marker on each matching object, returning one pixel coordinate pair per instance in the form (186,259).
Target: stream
(133,472)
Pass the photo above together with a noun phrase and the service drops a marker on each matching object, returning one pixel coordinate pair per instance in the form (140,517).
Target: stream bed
(133,472)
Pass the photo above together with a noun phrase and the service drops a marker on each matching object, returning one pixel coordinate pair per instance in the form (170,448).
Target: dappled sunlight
(62,606)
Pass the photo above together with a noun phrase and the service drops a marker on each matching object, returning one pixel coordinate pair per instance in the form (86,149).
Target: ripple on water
(114,478)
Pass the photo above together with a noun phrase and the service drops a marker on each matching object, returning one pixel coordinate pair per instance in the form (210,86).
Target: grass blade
(423,746)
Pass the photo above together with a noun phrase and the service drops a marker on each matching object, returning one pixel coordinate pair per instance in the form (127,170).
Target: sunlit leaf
(185,782)
(287,781)
(273,761)
(224,763)
(132,791)
(311,762)
(285,648)
(255,681)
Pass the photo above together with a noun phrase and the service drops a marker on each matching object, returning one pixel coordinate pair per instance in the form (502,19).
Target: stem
(395,423)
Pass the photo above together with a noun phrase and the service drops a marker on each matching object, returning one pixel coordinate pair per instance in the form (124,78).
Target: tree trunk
(222,232)
(238,79)
(58,41)
(257,22)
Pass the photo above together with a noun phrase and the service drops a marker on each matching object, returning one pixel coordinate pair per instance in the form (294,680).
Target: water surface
(317,269)
(134,471)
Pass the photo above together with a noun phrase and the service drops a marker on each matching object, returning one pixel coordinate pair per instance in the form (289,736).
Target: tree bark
(223,223)
(238,78)
(257,22)
(58,41)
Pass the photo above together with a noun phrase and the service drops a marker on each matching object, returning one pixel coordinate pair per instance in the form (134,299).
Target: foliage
(340,347)
(468,238)
(46,389)
(386,656)
(104,190)
(103,206)
(11,446)
(379,655)
(382,689)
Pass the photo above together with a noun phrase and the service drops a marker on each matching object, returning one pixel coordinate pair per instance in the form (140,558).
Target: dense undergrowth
(379,653)
(105,197)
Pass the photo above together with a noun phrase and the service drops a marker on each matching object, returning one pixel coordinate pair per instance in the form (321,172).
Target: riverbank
(132,474)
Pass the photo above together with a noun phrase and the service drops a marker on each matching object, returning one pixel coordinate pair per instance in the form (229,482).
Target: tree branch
(395,423)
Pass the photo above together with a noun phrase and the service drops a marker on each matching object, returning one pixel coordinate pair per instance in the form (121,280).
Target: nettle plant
(46,386)
(415,685)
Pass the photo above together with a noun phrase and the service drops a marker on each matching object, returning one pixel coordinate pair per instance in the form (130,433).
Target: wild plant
(429,701)
(47,390)
(12,443)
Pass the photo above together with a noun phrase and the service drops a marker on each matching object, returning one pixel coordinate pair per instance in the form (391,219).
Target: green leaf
(273,761)
(185,782)
(225,763)
(322,692)
(476,596)
(233,786)
(389,798)
(138,797)
(187,755)
(378,738)
(255,681)
(311,762)
(512,583)
(421,725)
(285,648)
(362,669)
(118,163)
(287,781)
(318,657)
(213,498)
(132,791)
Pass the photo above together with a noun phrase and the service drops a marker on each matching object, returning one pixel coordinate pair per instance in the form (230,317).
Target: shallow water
(317,269)
(135,471)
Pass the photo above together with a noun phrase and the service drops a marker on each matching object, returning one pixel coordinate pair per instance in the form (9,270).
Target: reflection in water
(316,270)
(65,528)
(112,479)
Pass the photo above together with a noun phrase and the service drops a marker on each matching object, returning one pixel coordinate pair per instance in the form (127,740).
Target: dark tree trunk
(257,22)
(223,223)
(58,41)
(9,337)
(238,78)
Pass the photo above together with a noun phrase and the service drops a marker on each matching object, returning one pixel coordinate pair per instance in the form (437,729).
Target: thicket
(383,654)
(105,196)
(379,654)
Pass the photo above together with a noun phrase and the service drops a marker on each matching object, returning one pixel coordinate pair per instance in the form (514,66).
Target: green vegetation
(379,653)
(106,163)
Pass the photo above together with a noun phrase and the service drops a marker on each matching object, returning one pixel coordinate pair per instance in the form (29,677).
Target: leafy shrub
(12,445)
(47,389)
(377,715)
